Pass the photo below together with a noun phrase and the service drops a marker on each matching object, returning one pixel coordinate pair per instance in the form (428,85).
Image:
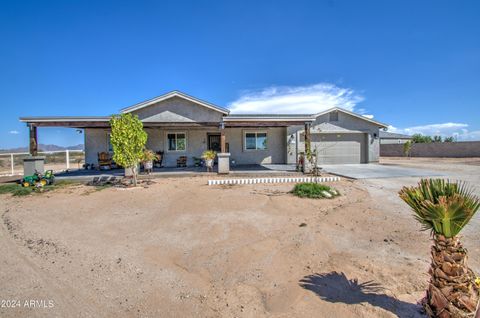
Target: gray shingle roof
(390,135)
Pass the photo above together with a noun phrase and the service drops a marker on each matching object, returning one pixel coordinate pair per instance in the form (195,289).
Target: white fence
(273,180)
(12,163)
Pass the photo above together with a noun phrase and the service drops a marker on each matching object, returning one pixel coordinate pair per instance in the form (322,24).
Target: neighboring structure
(182,125)
(393,138)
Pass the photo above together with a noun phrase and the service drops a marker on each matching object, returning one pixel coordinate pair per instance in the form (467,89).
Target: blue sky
(412,64)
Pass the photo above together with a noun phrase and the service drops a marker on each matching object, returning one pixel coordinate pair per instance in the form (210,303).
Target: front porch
(238,170)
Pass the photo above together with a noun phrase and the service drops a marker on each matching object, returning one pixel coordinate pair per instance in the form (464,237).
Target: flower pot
(209,163)
(147,165)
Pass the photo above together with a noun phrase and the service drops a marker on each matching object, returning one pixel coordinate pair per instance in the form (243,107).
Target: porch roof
(68,121)
(241,120)
(100,121)
(266,120)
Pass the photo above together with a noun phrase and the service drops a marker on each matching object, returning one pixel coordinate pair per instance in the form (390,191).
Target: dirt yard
(180,248)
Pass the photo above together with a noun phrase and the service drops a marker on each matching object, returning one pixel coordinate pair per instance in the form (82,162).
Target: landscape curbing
(272,180)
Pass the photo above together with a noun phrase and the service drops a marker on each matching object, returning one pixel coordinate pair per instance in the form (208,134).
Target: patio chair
(182,161)
(197,162)
(104,160)
(157,163)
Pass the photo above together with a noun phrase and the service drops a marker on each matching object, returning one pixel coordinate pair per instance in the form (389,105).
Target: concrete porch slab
(238,170)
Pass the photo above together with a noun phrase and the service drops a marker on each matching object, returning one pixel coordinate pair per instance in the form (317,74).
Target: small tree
(128,140)
(444,208)
(419,138)
(449,139)
(407,148)
(437,138)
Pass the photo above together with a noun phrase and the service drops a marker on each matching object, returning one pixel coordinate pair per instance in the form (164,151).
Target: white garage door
(339,148)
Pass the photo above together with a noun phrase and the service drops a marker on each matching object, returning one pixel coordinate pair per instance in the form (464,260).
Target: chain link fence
(12,163)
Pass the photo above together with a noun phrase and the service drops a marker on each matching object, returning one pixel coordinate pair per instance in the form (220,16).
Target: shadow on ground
(337,288)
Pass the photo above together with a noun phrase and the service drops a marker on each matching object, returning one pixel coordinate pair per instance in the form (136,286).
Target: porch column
(307,138)
(33,163)
(223,146)
(306,166)
(223,156)
(33,146)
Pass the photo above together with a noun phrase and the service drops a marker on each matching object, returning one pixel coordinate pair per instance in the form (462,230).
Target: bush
(8,188)
(314,191)
(20,191)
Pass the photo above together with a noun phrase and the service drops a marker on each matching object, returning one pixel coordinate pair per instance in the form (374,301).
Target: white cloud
(368,116)
(458,130)
(296,99)
(14,132)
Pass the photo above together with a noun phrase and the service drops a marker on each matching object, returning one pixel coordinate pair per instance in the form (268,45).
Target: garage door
(339,148)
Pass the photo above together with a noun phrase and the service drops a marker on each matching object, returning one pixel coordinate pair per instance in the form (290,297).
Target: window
(334,116)
(109,143)
(255,141)
(177,141)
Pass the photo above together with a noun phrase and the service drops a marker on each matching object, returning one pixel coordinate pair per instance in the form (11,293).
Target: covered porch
(244,143)
(238,170)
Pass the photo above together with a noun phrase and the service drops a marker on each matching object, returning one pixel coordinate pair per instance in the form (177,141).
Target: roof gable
(351,114)
(173,94)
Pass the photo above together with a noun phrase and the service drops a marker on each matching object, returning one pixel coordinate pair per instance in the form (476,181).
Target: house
(393,138)
(182,125)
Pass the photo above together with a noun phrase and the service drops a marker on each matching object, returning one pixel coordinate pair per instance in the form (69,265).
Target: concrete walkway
(374,171)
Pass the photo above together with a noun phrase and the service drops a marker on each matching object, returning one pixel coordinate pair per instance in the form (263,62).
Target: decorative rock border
(273,180)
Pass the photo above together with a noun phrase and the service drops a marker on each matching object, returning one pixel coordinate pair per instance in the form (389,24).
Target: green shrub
(20,191)
(8,187)
(313,190)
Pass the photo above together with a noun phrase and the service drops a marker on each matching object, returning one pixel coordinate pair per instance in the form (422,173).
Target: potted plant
(148,157)
(209,156)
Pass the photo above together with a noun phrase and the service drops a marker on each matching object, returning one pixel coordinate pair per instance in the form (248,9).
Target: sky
(413,65)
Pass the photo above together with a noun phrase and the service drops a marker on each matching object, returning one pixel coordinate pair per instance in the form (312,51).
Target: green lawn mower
(38,179)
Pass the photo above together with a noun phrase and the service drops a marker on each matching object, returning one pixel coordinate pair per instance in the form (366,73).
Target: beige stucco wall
(276,146)
(95,141)
(177,110)
(196,143)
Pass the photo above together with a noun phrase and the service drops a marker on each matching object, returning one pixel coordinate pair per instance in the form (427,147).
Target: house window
(255,141)
(177,141)
(334,116)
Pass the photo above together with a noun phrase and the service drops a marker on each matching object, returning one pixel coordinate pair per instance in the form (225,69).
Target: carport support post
(33,146)
(308,148)
(34,163)
(307,139)
(223,147)
(223,156)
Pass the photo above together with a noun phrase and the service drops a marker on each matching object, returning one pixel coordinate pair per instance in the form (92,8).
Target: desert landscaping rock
(327,194)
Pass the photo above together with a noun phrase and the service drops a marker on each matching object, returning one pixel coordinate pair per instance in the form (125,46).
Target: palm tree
(444,208)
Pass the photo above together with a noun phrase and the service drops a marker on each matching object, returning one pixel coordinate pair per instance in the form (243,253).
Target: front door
(214,142)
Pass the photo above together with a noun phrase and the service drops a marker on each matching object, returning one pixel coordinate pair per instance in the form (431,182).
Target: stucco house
(182,125)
